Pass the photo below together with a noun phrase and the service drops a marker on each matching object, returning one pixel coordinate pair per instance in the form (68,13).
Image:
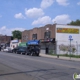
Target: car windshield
(22,48)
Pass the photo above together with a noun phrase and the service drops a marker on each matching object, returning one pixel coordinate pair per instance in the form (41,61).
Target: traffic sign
(70,37)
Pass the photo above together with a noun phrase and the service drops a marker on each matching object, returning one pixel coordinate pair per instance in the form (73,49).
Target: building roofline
(68,25)
(49,24)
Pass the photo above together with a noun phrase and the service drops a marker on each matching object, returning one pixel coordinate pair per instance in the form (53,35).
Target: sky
(27,14)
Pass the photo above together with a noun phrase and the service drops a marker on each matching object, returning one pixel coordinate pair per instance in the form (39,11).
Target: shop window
(23,37)
(34,36)
(27,37)
(47,35)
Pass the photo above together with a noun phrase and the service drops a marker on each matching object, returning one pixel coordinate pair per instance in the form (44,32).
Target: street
(22,67)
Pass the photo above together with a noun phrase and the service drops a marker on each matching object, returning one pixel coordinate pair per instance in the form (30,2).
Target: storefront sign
(46,40)
(33,42)
(68,30)
(23,44)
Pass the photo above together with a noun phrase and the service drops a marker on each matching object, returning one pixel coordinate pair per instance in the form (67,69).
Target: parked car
(21,50)
(15,50)
(33,50)
(0,48)
(6,49)
(33,47)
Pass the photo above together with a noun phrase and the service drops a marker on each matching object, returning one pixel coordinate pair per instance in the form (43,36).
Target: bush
(51,52)
(67,55)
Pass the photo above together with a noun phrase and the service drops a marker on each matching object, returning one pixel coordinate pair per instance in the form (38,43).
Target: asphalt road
(23,67)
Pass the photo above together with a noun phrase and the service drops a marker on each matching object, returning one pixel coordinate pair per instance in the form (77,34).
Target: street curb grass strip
(60,57)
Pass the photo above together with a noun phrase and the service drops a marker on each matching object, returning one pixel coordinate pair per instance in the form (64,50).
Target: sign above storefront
(68,30)
(46,40)
(23,44)
(33,42)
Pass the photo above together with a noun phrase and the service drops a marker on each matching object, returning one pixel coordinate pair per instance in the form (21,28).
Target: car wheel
(21,53)
(27,53)
(16,52)
(32,54)
(37,54)
(24,53)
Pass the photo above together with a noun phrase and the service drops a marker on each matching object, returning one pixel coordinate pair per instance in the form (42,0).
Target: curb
(60,57)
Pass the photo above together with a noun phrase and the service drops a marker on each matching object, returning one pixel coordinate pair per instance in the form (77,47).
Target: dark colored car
(33,47)
(0,48)
(21,50)
(15,49)
(33,50)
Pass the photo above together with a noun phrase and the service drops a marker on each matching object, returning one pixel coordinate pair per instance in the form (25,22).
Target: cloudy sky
(27,14)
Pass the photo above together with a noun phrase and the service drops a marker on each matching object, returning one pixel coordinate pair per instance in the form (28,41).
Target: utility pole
(70,48)
(77,47)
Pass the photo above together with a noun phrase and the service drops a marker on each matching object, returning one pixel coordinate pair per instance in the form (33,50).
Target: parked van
(14,44)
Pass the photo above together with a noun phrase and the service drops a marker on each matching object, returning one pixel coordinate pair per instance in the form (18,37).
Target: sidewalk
(60,57)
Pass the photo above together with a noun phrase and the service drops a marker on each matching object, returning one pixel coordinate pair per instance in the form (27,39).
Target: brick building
(47,31)
(5,39)
(45,34)
(58,37)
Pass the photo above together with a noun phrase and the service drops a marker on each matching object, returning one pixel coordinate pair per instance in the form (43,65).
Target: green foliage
(75,56)
(51,52)
(67,55)
(77,22)
(16,34)
(73,50)
(64,49)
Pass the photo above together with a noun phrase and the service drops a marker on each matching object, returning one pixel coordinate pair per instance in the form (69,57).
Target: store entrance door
(47,50)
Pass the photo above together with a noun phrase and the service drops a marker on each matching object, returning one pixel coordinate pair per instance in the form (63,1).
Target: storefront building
(59,38)
(45,34)
(39,33)
(5,40)
(68,39)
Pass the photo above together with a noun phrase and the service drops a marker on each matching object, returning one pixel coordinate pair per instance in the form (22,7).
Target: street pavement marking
(26,58)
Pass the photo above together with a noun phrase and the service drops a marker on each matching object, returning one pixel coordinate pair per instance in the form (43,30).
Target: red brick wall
(39,31)
(4,39)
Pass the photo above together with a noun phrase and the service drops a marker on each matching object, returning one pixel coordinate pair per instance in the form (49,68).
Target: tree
(16,34)
(77,22)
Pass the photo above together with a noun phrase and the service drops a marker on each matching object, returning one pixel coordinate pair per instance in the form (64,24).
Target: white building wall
(63,39)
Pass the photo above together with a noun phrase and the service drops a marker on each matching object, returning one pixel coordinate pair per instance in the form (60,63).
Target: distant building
(5,39)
